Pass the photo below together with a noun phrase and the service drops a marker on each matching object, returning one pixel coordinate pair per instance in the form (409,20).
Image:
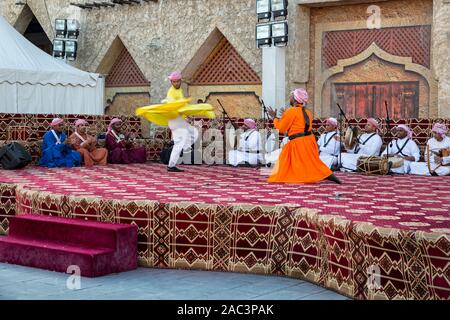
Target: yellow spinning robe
(176,105)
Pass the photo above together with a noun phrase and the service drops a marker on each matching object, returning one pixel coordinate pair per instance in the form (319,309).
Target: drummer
(436,165)
(368,144)
(329,144)
(403,148)
(249,147)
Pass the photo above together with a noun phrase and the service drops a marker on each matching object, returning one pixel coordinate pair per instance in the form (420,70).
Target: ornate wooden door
(363,100)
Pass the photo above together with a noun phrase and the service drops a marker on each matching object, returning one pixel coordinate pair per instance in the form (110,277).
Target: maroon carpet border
(327,250)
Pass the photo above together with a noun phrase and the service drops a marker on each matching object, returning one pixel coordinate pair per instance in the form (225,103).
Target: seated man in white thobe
(271,156)
(249,150)
(368,144)
(439,166)
(329,144)
(403,147)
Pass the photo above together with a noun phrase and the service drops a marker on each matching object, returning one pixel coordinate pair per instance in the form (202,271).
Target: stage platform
(374,237)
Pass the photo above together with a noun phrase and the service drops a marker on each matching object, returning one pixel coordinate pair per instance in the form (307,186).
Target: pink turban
(332,121)
(56,121)
(440,129)
(80,122)
(115,120)
(174,76)
(250,123)
(300,95)
(406,128)
(373,122)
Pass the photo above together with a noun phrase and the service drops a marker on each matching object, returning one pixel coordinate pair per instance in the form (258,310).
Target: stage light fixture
(263,35)
(263,9)
(279,8)
(280,34)
(71,48)
(58,48)
(73,28)
(61,28)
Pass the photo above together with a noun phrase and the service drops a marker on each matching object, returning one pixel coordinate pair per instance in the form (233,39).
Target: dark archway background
(36,35)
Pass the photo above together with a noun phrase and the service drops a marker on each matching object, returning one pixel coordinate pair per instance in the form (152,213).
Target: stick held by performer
(299,160)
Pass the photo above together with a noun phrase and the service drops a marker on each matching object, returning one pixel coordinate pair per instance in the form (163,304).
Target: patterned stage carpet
(374,237)
(403,202)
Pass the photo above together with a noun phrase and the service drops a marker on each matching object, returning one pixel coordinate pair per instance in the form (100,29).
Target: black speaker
(14,156)
(165,154)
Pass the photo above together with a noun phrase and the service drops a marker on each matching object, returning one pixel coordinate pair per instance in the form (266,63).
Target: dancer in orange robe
(299,160)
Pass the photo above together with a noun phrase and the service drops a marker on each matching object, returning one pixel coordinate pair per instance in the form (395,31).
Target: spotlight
(279,8)
(73,28)
(280,34)
(71,47)
(61,28)
(58,48)
(263,35)
(263,9)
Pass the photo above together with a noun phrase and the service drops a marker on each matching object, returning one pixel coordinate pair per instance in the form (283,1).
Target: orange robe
(89,152)
(299,160)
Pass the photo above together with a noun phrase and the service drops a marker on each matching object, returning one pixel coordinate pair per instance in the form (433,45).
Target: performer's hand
(272,113)
(337,138)
(282,110)
(68,141)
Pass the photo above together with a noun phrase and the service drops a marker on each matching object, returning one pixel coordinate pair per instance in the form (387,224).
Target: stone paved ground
(18,282)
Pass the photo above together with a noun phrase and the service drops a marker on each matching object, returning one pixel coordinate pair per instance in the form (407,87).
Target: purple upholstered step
(75,231)
(55,243)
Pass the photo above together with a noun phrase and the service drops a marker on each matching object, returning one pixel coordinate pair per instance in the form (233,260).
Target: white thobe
(272,157)
(421,168)
(403,147)
(183,135)
(248,151)
(329,148)
(369,144)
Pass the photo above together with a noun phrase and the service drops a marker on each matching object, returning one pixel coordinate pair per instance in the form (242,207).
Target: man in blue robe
(56,148)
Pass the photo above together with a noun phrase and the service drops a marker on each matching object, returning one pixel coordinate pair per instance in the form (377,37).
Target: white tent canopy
(31,81)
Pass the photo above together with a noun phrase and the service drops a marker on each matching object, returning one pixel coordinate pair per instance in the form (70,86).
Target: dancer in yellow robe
(173,113)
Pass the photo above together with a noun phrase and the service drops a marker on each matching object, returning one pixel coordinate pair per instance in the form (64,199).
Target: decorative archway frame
(321,76)
(26,13)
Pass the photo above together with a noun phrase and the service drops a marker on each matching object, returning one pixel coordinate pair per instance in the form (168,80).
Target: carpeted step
(55,243)
(54,256)
(70,231)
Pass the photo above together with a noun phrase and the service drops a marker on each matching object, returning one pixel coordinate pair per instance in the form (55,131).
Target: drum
(397,162)
(350,138)
(444,153)
(373,165)
(440,153)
